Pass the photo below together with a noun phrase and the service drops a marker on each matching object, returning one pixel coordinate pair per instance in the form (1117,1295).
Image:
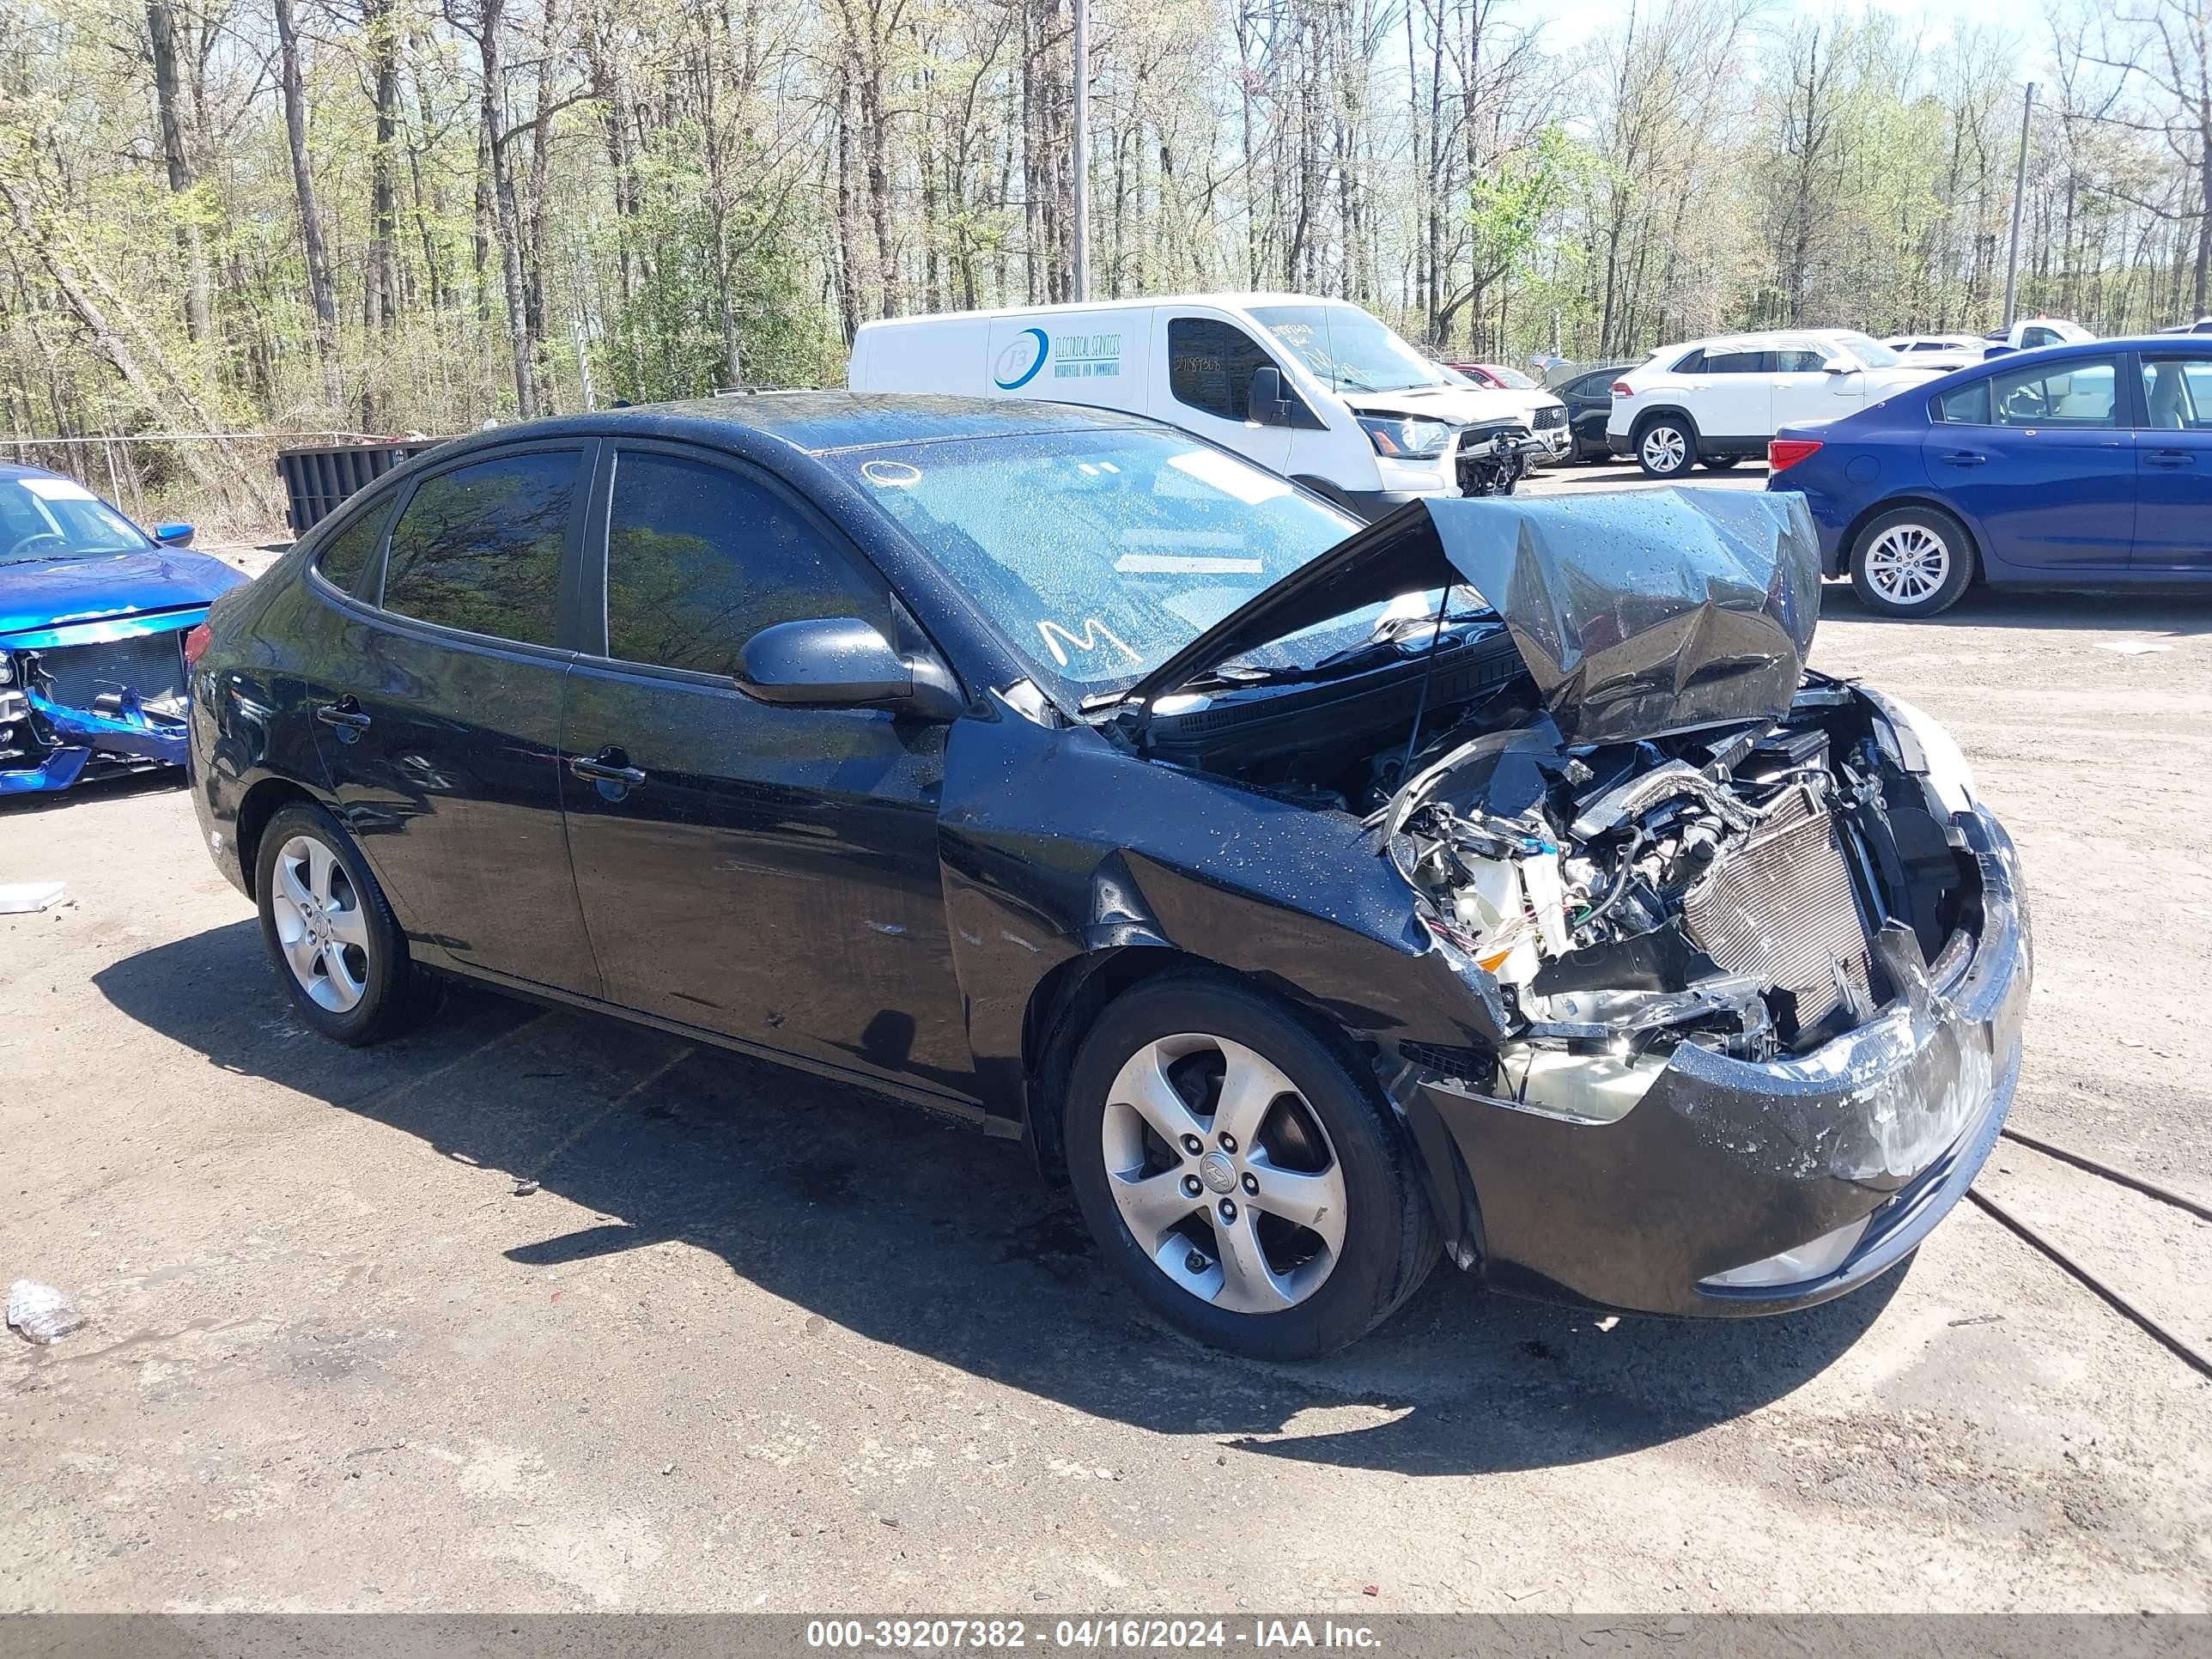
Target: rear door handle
(610,765)
(345,714)
(2169,457)
(1963,458)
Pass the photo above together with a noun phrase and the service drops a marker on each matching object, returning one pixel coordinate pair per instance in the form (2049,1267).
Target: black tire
(1389,1238)
(1883,588)
(1718,463)
(1661,458)
(396,994)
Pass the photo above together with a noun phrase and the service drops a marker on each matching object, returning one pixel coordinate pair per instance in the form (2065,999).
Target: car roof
(12,470)
(816,422)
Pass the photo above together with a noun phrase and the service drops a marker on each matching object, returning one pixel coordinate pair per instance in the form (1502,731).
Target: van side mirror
(842,662)
(1264,402)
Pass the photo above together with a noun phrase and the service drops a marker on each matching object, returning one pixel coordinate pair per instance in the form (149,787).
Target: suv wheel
(1666,447)
(338,949)
(1718,463)
(1912,561)
(1244,1179)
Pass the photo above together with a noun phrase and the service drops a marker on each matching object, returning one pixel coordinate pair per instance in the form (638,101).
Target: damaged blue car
(94,615)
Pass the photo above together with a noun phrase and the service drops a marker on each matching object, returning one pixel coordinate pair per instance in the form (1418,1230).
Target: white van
(1315,389)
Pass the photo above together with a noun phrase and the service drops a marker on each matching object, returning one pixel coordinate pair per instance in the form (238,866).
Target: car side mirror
(174,535)
(842,662)
(1264,402)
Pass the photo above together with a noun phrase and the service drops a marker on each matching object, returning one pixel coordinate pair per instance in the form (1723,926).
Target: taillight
(196,645)
(1787,451)
(1622,389)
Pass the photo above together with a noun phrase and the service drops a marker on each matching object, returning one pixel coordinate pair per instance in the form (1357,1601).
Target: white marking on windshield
(57,489)
(1186,564)
(1230,476)
(1093,634)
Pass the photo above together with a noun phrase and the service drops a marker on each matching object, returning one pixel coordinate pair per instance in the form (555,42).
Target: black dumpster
(317,480)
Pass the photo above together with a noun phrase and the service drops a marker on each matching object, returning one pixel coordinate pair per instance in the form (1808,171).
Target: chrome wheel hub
(1665,450)
(1223,1174)
(320,926)
(1906,563)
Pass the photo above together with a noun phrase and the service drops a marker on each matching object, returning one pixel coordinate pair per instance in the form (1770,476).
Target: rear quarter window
(345,557)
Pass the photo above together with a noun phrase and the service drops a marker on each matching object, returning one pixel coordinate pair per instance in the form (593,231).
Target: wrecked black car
(93,613)
(1491,881)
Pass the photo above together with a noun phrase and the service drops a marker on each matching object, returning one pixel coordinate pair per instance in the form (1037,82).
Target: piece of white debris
(2133,648)
(39,1313)
(23,898)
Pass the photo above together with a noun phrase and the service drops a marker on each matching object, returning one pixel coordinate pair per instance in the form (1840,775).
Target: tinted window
(2083,392)
(2033,338)
(699,560)
(1210,365)
(347,554)
(2177,393)
(1692,364)
(1737,362)
(479,548)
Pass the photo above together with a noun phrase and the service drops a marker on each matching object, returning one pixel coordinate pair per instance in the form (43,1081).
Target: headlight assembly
(1948,775)
(1406,438)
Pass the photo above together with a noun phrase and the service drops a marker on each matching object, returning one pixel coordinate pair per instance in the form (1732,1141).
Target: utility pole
(2019,192)
(1078,288)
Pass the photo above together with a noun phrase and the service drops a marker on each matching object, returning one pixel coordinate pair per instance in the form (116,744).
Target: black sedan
(1492,881)
(1589,398)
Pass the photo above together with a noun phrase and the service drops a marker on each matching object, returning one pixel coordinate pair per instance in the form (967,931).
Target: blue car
(93,613)
(2076,466)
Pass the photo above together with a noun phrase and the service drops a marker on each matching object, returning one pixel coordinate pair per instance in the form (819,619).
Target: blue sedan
(93,615)
(2076,466)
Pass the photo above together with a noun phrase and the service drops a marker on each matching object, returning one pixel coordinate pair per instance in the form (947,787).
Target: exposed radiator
(152,664)
(1779,906)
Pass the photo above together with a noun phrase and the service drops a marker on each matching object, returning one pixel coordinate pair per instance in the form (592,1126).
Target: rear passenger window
(1737,362)
(1210,365)
(700,559)
(348,553)
(2081,392)
(479,548)
(1968,406)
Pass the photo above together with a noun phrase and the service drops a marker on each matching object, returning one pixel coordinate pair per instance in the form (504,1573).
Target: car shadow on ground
(154,781)
(911,1231)
(2176,614)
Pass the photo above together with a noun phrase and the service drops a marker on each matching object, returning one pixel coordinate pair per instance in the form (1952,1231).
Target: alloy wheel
(1666,449)
(1906,563)
(320,925)
(1223,1174)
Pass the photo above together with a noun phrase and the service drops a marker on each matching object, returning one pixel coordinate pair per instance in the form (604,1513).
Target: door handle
(2169,457)
(344,713)
(1963,458)
(610,765)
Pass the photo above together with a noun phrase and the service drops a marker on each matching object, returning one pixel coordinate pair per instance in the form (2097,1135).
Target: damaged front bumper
(1736,1186)
(47,745)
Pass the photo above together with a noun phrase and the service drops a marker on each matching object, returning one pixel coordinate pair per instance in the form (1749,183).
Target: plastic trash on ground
(39,1312)
(19,898)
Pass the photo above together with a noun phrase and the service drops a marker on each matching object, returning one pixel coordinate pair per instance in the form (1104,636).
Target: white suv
(1719,400)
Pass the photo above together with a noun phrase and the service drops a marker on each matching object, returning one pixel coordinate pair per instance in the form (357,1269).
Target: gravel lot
(757,1341)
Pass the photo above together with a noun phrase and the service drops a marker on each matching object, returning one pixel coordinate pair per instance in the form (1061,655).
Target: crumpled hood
(1638,612)
(1462,405)
(57,592)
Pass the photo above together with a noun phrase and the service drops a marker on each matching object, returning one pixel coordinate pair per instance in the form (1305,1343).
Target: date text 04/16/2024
(1122,1634)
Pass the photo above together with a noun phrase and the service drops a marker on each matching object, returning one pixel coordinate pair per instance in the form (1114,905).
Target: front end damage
(1742,960)
(92,700)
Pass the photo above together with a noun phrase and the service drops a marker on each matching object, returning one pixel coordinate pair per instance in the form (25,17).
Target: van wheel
(1666,447)
(1251,1187)
(1912,561)
(337,948)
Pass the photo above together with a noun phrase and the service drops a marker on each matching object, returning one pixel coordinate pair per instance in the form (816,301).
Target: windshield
(59,518)
(1870,352)
(1512,377)
(1100,553)
(1350,351)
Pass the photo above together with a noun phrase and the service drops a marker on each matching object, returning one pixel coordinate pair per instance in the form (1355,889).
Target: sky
(1567,22)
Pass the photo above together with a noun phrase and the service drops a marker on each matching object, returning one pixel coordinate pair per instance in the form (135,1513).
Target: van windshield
(1350,350)
(1100,553)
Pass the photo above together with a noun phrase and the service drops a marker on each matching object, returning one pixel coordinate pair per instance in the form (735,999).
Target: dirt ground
(756,1341)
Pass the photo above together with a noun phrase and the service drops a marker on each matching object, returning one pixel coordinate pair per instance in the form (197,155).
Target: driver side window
(1210,366)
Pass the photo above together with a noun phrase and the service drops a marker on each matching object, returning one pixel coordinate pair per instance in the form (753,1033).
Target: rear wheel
(1718,463)
(338,949)
(1249,1185)
(1912,561)
(1666,447)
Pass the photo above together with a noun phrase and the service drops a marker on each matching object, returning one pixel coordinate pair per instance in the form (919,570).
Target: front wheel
(1666,448)
(338,949)
(1911,562)
(1250,1185)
